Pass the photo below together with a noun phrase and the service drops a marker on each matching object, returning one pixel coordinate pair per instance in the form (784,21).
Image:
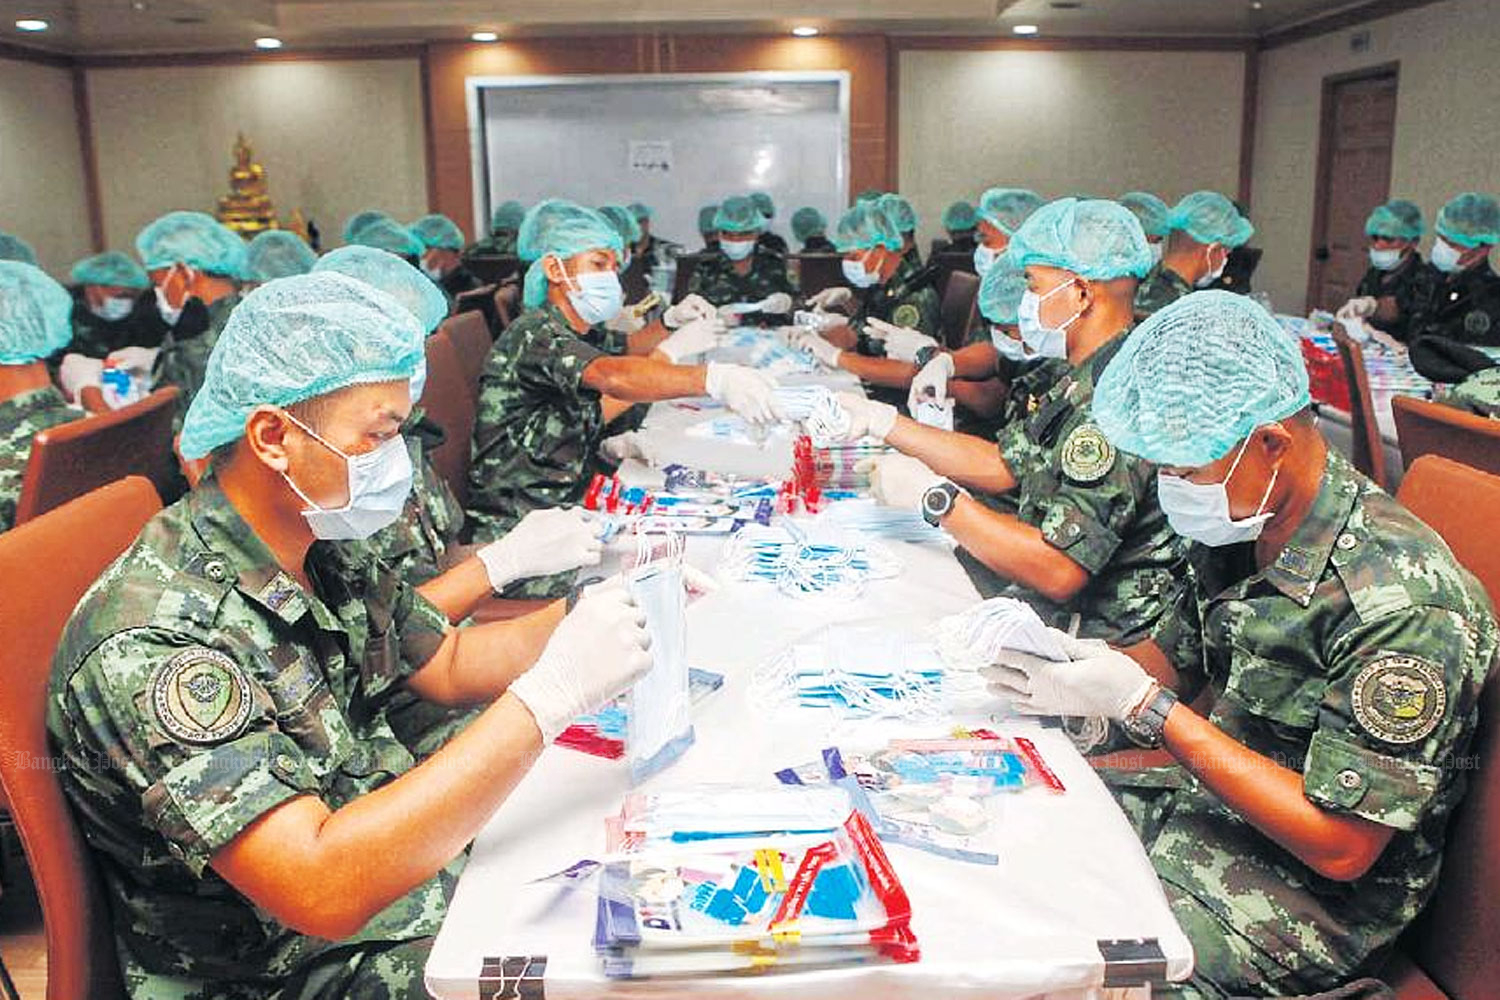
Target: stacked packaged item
(713,881)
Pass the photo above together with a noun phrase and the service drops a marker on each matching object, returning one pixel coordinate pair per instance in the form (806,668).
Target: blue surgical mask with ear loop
(379,482)
(1445,256)
(660,726)
(1384,260)
(114,309)
(597,296)
(1044,341)
(984,259)
(737,249)
(856,274)
(1009,347)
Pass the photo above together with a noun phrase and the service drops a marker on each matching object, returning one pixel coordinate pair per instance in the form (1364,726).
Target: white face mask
(113,309)
(1384,260)
(379,483)
(984,259)
(1156,252)
(432,271)
(1214,273)
(1044,341)
(597,296)
(419,380)
(170,314)
(737,249)
(856,275)
(1009,347)
(1200,511)
(1445,256)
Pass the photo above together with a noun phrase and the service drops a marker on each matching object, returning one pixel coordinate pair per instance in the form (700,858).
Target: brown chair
(1424,428)
(817,271)
(686,264)
(58,555)
(482,301)
(1450,953)
(493,269)
(69,460)
(960,300)
(1369,449)
(449,400)
(948,263)
(471,339)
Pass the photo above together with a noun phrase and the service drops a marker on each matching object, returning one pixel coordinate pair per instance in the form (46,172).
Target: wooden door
(1354,175)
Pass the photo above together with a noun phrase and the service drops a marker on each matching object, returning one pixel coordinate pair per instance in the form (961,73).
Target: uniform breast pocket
(1280,692)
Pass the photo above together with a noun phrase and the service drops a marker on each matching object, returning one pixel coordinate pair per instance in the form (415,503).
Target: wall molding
(1339,21)
(1080,43)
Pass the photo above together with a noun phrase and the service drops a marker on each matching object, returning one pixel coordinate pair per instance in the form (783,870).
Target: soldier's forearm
(644,380)
(985,398)
(647,339)
(456,592)
(975,361)
(1015,550)
(879,371)
(970,461)
(475,665)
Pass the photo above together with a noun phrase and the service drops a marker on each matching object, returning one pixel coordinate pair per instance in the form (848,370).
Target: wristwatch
(1144,726)
(925,355)
(938,501)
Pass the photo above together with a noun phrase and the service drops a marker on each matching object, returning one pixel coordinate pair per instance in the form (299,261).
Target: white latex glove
(814,344)
(818,321)
(692,338)
(731,313)
(899,480)
(544,542)
(598,650)
(631,444)
(691,308)
(135,359)
(931,382)
(626,321)
(777,304)
(901,342)
(77,373)
(1105,683)
(832,298)
(1360,308)
(867,417)
(744,390)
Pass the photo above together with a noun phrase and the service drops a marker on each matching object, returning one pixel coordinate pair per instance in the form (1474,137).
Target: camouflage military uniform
(196,688)
(1409,284)
(94,337)
(1479,393)
(1094,504)
(717,281)
(1464,307)
(458,281)
(819,244)
(1357,659)
(497,244)
(183,362)
(21,417)
(908,299)
(417,544)
(1159,289)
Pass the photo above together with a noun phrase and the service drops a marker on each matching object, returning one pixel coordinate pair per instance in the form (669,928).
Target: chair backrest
(1369,449)
(492,269)
(471,339)
(949,263)
(45,566)
(817,271)
(72,459)
(450,401)
(686,264)
(636,280)
(960,299)
(482,301)
(507,306)
(1425,428)
(1239,269)
(1454,942)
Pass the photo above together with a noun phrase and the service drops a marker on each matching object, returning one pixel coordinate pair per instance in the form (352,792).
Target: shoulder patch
(1477,323)
(906,314)
(1399,699)
(1087,456)
(201,697)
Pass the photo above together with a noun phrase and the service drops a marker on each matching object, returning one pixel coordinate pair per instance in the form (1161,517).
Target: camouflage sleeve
(1399,708)
(421,626)
(1087,498)
(555,362)
(930,311)
(1479,393)
(187,729)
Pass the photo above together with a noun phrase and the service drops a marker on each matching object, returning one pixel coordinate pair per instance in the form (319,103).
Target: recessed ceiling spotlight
(1025,29)
(32,24)
(268,43)
(1256,5)
(804,31)
(485,36)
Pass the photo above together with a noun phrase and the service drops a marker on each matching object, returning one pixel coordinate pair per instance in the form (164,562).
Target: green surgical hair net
(277,253)
(35,314)
(112,268)
(1209,217)
(869,194)
(194,239)
(899,211)
(865,227)
(17,249)
(393,276)
(624,222)
(294,339)
(561,229)
(739,215)
(807,223)
(359,220)
(438,232)
(1155,214)
(708,217)
(1000,292)
(390,236)
(507,218)
(763,204)
(1198,377)
(1007,208)
(1099,240)
(1397,219)
(1470,220)
(641,211)
(960,217)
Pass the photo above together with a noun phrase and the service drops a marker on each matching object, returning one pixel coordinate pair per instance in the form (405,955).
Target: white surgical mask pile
(830,563)
(856,672)
(659,726)
(976,637)
(817,409)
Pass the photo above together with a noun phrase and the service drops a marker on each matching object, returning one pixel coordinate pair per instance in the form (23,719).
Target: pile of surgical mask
(828,564)
(976,637)
(865,516)
(736,430)
(817,409)
(862,672)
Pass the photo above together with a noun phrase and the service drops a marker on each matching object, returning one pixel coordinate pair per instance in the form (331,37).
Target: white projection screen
(675,142)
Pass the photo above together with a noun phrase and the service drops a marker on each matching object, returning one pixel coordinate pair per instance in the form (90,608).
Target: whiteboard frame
(474,86)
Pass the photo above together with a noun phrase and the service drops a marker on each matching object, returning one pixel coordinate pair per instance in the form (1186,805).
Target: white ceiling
(140,26)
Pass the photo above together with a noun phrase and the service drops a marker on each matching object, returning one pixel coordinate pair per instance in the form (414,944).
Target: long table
(1072,873)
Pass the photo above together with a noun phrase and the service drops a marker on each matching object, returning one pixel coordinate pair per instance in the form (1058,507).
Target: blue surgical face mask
(170,314)
(737,249)
(1156,251)
(856,275)
(379,482)
(1044,341)
(1009,347)
(114,309)
(598,297)
(1446,256)
(984,259)
(1384,260)
(1200,511)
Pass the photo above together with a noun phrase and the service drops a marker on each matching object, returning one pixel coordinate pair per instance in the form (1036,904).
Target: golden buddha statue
(247,209)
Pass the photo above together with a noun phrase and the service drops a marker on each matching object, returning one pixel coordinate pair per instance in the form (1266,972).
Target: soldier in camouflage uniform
(1479,393)
(1204,227)
(501,241)
(222,697)
(34,312)
(1346,646)
(110,307)
(742,271)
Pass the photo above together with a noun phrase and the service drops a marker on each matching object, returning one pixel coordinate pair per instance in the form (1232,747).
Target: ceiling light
(32,24)
(485,36)
(1025,29)
(1256,5)
(804,31)
(268,43)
